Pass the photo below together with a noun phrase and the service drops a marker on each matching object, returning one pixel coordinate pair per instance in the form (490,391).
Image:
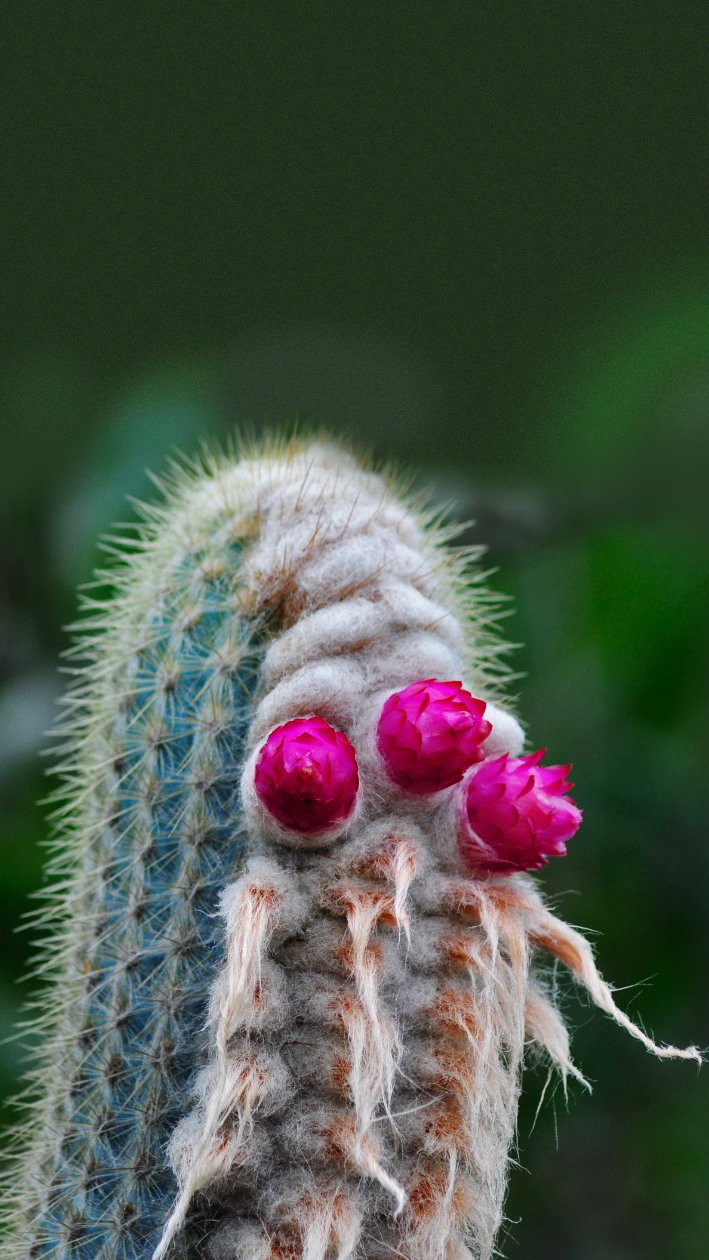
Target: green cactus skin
(156,730)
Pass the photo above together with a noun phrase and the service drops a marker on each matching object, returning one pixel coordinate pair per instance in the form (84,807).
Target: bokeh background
(472,237)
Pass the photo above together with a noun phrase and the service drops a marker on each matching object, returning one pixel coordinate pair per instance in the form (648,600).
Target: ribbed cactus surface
(158,745)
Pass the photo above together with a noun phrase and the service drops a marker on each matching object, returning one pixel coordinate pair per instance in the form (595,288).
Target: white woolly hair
(397,1028)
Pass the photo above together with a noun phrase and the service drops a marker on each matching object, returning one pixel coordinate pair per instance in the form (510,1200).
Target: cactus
(251,1046)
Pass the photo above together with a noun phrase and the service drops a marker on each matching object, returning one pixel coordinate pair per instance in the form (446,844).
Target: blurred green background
(469,236)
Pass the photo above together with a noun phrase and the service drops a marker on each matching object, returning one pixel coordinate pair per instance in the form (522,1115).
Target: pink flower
(429,734)
(516,814)
(306,775)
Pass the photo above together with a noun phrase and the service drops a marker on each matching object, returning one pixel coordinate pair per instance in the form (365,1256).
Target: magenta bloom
(516,814)
(306,775)
(429,734)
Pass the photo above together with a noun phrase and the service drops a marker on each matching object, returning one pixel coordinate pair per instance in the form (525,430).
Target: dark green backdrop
(471,236)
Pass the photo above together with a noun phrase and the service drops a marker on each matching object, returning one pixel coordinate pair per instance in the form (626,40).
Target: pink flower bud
(429,734)
(306,775)
(516,814)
